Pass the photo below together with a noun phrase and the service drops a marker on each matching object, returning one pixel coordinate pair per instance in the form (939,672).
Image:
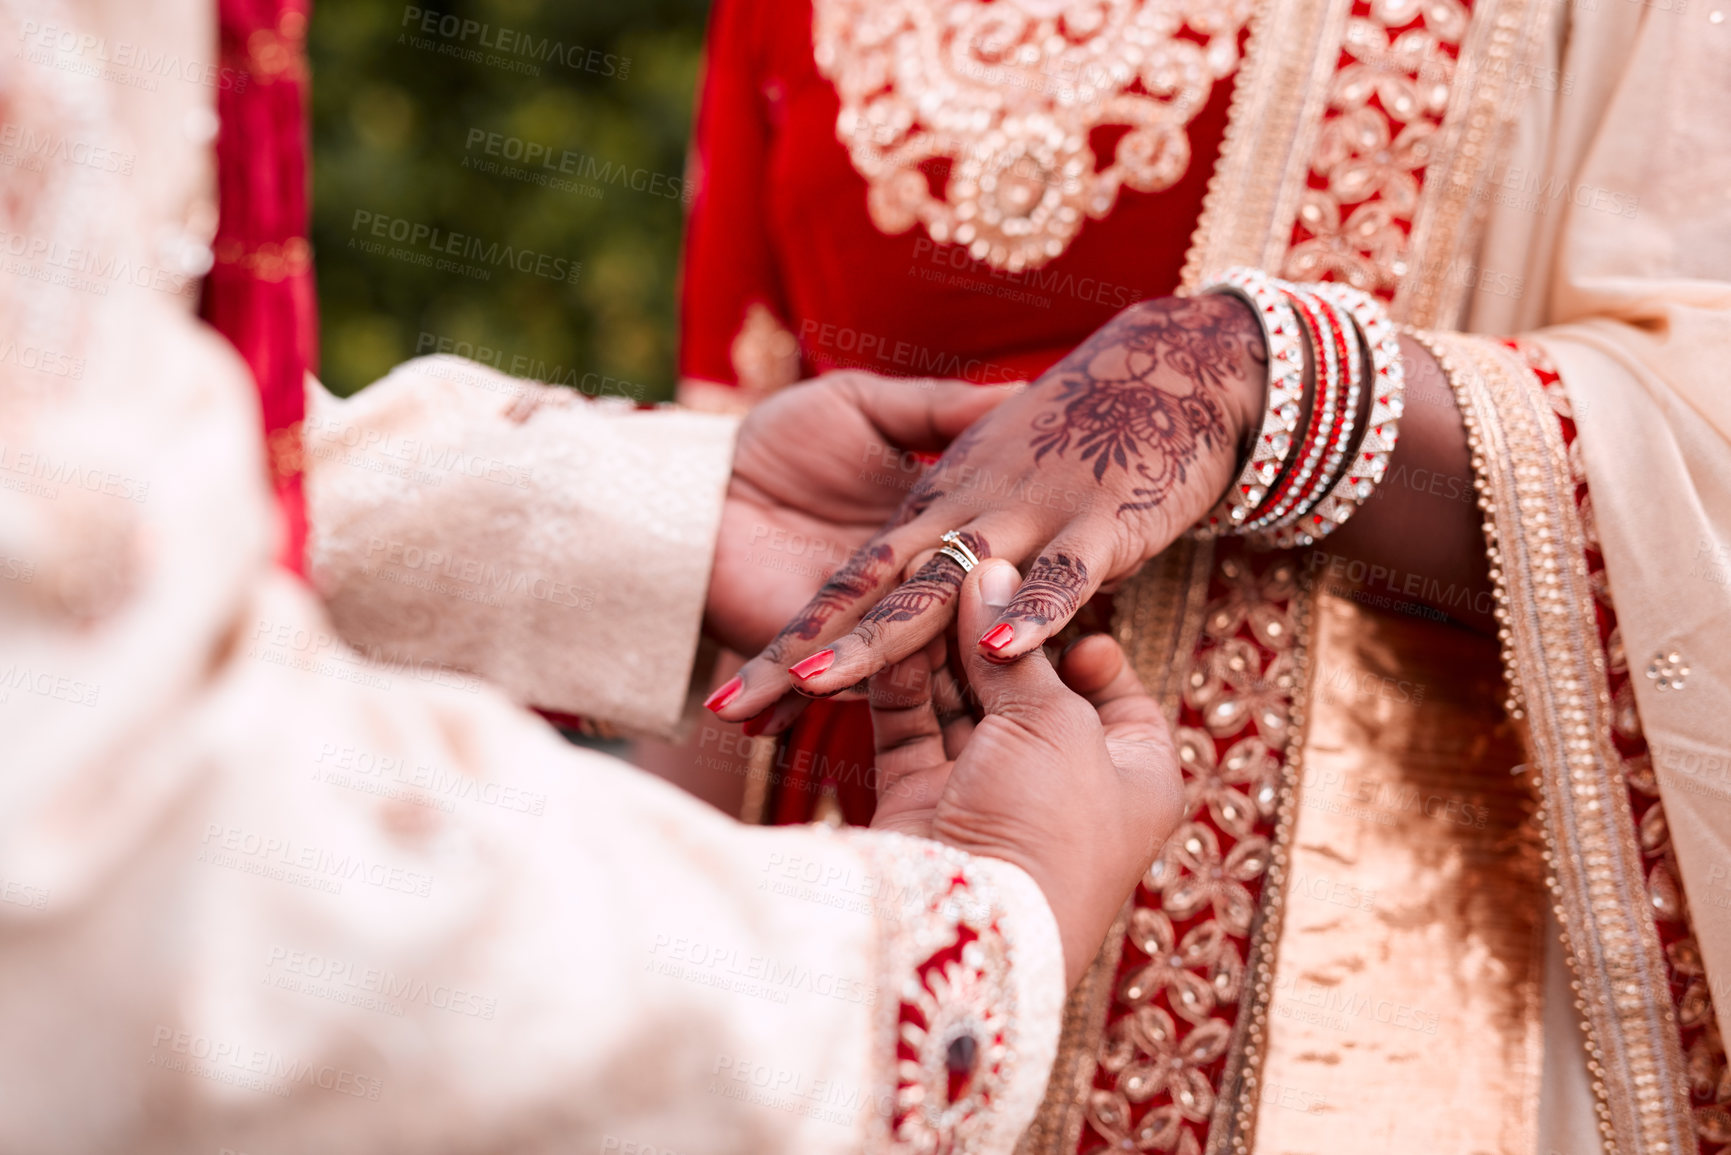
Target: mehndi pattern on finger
(1052,592)
(857,578)
(935,583)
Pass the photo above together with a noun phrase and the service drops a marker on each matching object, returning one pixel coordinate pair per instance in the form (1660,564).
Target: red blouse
(780,219)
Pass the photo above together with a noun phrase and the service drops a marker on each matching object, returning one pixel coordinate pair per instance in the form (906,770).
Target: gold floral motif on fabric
(1385,106)
(765,355)
(1006,96)
(1187,942)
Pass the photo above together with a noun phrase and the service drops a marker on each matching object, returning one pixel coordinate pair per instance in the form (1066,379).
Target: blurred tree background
(549,130)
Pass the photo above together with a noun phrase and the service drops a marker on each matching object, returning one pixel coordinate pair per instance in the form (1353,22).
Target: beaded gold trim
(943,905)
(1272,134)
(1158,617)
(1278,101)
(1233,652)
(1454,114)
(1558,682)
(1057,1125)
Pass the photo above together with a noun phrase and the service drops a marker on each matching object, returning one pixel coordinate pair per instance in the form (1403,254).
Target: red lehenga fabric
(260,292)
(780,222)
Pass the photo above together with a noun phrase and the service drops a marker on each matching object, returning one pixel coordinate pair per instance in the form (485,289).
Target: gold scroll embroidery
(1007,95)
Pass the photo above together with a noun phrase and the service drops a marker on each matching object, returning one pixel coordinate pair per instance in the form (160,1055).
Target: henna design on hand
(1053,591)
(937,582)
(1116,411)
(856,579)
(922,497)
(926,492)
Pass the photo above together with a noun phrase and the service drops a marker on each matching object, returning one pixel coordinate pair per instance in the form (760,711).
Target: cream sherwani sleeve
(260,893)
(265,895)
(559,548)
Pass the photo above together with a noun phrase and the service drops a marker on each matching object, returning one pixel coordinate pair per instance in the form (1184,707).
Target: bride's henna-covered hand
(1080,479)
(797,476)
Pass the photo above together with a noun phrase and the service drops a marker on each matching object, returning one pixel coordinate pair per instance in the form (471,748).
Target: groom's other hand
(818,469)
(1070,774)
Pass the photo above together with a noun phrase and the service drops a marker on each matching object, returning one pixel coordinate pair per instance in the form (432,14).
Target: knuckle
(867,635)
(1076,715)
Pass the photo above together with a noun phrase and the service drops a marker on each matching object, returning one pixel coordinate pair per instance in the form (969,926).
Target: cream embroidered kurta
(261,894)
(557,547)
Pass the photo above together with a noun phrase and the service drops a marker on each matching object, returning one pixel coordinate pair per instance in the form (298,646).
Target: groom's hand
(1070,774)
(818,469)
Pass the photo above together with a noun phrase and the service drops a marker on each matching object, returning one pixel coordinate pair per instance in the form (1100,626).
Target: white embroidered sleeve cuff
(556,546)
(972,951)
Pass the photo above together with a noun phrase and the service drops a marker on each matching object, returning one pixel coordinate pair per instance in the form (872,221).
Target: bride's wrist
(1246,393)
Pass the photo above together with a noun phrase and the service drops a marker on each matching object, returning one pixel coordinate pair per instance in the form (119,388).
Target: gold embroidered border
(1271,127)
(1157,618)
(755,804)
(1159,621)
(1483,104)
(1057,1125)
(1277,110)
(1233,1127)
(1545,609)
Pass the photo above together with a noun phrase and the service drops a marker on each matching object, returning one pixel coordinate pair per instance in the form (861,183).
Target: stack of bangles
(1326,436)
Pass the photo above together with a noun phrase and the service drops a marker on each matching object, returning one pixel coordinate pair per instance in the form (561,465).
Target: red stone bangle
(1369,460)
(1310,471)
(1274,440)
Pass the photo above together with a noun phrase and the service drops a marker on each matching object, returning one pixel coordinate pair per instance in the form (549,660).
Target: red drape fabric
(260,291)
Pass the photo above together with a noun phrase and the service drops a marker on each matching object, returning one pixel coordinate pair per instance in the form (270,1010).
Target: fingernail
(998,636)
(724,694)
(753,726)
(813,666)
(998,584)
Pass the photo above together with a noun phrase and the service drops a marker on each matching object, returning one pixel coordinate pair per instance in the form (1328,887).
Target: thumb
(925,415)
(1023,689)
(956,405)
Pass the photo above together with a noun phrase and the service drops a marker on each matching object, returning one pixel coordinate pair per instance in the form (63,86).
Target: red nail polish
(724,694)
(813,666)
(753,726)
(998,636)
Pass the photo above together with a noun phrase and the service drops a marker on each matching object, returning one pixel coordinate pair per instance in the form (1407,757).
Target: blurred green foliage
(597,94)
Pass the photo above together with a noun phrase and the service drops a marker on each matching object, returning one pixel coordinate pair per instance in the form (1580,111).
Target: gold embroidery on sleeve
(765,355)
